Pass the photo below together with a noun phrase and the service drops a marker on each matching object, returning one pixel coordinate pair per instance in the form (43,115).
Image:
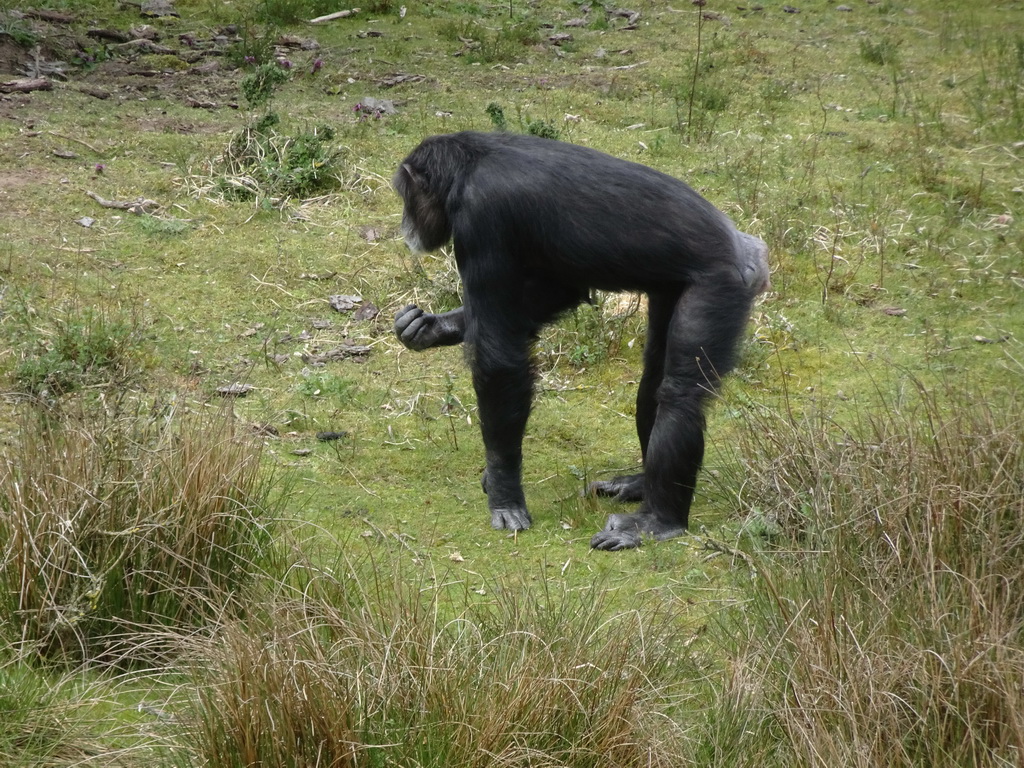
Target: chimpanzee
(537,224)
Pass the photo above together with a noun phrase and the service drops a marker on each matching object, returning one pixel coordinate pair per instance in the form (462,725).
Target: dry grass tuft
(892,630)
(114,533)
(375,674)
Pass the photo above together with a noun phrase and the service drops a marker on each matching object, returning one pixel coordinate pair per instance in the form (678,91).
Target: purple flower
(99,167)
(250,59)
(317,64)
(284,63)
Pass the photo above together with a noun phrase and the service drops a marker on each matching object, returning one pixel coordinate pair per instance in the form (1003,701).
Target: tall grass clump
(116,535)
(887,623)
(367,672)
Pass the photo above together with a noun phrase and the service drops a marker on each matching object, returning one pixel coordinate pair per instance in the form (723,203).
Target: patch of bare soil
(109,63)
(12,181)
(12,56)
(13,105)
(16,188)
(210,87)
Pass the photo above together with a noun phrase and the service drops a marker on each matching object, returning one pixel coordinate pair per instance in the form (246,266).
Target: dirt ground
(143,60)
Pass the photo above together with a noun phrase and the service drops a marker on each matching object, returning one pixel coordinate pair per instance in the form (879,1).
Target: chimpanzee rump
(536,225)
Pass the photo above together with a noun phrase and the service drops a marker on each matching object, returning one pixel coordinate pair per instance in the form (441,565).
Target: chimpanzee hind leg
(659,313)
(707,322)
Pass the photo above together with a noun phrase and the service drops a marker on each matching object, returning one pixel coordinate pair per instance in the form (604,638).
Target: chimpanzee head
(425,224)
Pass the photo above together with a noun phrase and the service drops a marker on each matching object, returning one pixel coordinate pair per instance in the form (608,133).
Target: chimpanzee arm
(420,330)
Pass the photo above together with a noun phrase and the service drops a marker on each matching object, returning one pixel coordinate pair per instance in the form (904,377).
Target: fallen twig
(79,141)
(137,206)
(332,16)
(26,85)
(716,547)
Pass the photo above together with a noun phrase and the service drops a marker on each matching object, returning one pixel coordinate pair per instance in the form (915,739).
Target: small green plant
(542,128)
(530,126)
(19,32)
(86,347)
(260,163)
(89,58)
(255,46)
(497,116)
(328,385)
(884,52)
(259,86)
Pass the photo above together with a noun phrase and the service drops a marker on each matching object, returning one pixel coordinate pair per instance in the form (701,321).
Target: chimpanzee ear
(408,178)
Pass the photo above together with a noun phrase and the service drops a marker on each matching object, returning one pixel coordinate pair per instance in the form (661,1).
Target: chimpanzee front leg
(498,329)
(420,330)
(504,386)
(503,427)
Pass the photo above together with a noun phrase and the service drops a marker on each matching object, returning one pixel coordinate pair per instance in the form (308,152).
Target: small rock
(343,303)
(207,67)
(157,8)
(110,35)
(372,106)
(327,437)
(235,390)
(371,234)
(368,311)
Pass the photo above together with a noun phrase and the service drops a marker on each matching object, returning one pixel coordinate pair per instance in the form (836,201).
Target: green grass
(847,590)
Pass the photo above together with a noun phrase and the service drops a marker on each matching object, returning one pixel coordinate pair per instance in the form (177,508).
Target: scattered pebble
(326,437)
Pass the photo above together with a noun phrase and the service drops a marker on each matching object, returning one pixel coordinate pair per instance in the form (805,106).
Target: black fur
(536,225)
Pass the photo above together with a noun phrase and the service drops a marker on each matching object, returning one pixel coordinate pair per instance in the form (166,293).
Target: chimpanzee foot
(626,531)
(512,518)
(621,488)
